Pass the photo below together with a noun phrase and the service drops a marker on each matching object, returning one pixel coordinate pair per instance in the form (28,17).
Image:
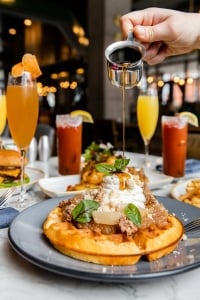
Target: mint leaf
(105,168)
(121,163)
(83,211)
(133,214)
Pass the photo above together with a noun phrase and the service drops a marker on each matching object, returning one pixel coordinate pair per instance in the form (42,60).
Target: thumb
(148,34)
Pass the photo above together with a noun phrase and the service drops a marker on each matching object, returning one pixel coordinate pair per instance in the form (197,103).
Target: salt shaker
(44,148)
(32,150)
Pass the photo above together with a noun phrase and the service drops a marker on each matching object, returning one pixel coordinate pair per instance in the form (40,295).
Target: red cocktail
(174,145)
(69,143)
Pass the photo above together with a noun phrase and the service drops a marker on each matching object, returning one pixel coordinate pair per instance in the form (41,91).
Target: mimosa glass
(2,114)
(147,117)
(22,113)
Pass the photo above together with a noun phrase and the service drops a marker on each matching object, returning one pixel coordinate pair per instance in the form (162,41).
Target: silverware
(193,225)
(6,196)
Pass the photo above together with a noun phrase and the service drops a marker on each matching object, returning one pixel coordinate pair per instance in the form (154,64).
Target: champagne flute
(2,114)
(147,117)
(22,113)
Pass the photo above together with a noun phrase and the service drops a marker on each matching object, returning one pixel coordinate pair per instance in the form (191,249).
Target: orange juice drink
(69,143)
(147,115)
(22,110)
(2,112)
(174,145)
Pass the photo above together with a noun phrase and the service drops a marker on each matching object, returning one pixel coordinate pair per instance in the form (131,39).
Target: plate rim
(81,274)
(51,193)
(178,184)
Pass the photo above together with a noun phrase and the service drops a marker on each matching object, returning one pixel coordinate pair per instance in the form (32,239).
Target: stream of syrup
(124,70)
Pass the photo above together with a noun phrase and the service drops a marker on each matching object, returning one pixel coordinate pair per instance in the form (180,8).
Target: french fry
(192,194)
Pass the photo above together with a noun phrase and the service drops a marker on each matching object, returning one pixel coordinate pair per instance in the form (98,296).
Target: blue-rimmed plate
(26,237)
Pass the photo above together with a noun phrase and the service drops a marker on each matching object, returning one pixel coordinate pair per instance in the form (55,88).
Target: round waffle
(112,249)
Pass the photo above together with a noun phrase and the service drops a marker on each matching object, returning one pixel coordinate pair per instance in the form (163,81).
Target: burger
(118,223)
(10,170)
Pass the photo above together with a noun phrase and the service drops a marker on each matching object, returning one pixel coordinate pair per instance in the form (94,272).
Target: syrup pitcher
(125,62)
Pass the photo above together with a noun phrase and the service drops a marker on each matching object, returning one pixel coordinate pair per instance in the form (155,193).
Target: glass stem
(146,148)
(1,143)
(23,191)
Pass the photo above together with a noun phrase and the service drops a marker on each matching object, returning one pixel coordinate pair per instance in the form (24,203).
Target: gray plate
(26,237)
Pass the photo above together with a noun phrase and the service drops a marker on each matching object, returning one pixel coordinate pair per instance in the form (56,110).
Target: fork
(6,195)
(193,225)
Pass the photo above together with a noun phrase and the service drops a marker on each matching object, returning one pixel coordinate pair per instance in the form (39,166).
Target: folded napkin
(7,214)
(191,166)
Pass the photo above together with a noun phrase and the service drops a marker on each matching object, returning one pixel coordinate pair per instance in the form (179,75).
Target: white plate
(34,175)
(180,188)
(157,179)
(56,186)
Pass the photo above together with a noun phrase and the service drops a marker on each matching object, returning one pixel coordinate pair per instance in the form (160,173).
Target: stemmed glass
(22,113)
(2,114)
(147,116)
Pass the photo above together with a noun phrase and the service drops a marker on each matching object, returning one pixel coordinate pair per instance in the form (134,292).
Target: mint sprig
(133,214)
(83,211)
(119,166)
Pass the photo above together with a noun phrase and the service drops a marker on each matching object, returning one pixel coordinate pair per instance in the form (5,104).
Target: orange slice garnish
(17,70)
(28,64)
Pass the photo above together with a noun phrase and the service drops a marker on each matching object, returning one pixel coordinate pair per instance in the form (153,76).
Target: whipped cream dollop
(119,191)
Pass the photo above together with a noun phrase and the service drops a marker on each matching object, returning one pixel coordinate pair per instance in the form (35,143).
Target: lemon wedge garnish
(192,118)
(87,117)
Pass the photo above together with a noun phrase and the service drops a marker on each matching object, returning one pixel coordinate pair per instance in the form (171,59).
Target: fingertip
(126,26)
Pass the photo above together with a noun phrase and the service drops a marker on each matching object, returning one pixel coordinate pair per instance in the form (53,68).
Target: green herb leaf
(133,214)
(83,211)
(121,163)
(105,168)
(99,152)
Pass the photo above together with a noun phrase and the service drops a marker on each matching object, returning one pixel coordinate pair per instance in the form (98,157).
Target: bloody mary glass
(174,145)
(69,143)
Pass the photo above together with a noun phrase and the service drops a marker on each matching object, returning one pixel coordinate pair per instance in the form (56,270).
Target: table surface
(22,280)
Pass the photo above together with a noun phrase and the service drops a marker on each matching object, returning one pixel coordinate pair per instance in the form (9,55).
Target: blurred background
(69,38)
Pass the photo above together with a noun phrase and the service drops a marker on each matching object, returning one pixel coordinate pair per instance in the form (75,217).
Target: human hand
(163,32)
